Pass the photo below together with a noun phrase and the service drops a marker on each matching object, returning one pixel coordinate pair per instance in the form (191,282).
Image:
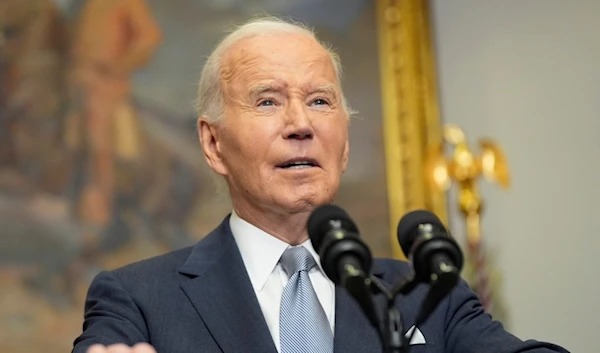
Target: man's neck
(288,227)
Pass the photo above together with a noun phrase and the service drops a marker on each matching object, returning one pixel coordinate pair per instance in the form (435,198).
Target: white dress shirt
(261,253)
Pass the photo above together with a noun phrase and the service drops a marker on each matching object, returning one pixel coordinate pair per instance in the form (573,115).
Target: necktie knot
(296,259)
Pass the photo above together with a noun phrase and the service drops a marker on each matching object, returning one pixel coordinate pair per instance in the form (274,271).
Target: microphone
(435,256)
(345,258)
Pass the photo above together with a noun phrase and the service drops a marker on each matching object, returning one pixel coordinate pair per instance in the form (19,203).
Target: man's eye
(266,103)
(320,101)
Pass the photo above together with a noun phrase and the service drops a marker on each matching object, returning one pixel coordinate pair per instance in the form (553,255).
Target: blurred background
(100,164)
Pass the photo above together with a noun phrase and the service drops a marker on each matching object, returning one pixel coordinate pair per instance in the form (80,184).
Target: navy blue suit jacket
(200,300)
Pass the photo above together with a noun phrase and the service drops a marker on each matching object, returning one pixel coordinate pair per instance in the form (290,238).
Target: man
(113,38)
(274,124)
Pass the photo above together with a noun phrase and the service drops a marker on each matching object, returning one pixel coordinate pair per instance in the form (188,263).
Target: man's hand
(121,348)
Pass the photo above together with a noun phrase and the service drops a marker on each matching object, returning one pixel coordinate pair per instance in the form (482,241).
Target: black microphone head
(319,223)
(345,258)
(336,239)
(409,224)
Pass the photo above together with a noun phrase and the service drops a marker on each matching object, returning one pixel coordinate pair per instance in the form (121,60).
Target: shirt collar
(261,251)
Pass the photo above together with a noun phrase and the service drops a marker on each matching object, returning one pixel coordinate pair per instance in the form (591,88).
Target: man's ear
(209,140)
(345,156)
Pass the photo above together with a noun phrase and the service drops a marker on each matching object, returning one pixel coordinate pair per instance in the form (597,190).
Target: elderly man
(274,124)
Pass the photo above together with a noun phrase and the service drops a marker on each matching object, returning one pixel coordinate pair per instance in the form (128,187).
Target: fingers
(121,348)
(143,348)
(97,348)
(118,348)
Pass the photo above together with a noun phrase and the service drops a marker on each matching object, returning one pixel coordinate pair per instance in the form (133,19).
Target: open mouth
(298,164)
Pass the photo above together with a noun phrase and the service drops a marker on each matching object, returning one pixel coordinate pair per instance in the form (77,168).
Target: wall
(526,73)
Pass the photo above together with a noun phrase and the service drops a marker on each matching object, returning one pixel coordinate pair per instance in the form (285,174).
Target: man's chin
(300,201)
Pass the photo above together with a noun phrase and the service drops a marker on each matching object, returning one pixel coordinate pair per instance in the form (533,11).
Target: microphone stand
(390,326)
(391,330)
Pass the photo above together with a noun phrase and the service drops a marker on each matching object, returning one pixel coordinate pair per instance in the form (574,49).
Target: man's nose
(298,124)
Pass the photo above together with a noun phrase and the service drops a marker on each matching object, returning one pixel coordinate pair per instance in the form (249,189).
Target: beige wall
(527,73)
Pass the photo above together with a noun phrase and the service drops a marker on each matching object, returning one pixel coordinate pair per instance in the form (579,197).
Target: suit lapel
(220,291)
(353,331)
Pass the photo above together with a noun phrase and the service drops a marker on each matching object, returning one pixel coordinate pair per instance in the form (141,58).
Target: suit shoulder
(159,266)
(392,268)
(392,265)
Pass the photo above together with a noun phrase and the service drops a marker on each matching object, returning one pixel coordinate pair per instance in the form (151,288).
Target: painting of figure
(111,40)
(100,164)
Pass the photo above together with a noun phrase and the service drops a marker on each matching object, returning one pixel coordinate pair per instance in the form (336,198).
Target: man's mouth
(299,163)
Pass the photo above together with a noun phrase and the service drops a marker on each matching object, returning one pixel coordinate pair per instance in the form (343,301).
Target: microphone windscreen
(319,223)
(409,224)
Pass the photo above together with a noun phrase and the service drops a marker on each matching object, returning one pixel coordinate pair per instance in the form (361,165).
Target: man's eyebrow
(257,90)
(330,89)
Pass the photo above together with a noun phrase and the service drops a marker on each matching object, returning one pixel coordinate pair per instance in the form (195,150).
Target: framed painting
(100,164)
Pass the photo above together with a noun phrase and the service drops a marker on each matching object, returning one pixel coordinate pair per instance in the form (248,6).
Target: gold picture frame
(411,118)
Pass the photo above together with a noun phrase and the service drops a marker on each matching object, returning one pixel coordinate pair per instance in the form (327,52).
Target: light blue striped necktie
(303,325)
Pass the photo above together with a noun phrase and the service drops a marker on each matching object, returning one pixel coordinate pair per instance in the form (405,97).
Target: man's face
(283,141)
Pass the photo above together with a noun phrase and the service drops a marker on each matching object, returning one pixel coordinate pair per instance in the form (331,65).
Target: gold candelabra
(464,168)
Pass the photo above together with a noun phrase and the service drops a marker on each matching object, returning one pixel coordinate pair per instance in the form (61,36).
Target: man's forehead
(273,43)
(258,57)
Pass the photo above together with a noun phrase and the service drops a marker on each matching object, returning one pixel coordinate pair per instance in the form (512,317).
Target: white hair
(209,101)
